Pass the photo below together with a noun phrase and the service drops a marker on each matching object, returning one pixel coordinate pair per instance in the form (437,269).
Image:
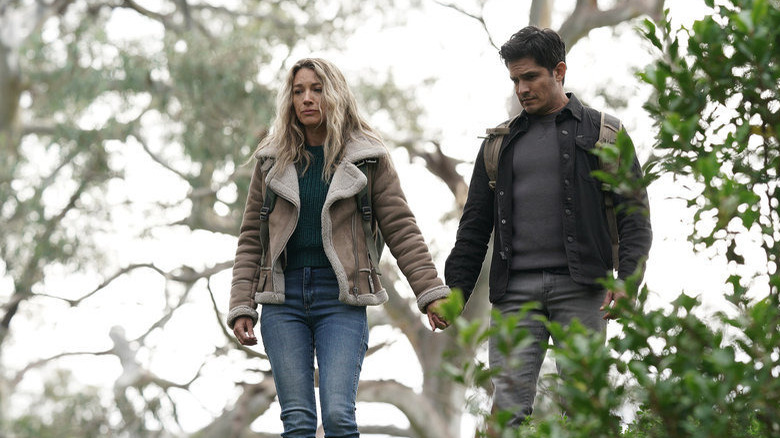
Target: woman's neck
(315,136)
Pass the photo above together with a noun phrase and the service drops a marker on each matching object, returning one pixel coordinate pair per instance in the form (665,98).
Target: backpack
(374,240)
(610,126)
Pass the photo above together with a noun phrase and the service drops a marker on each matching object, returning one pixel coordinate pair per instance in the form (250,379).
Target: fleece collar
(359,147)
(347,180)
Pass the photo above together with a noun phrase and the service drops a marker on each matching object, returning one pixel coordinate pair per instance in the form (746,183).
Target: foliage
(680,372)
(63,412)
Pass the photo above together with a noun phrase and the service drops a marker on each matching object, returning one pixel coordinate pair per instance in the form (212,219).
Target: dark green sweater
(305,246)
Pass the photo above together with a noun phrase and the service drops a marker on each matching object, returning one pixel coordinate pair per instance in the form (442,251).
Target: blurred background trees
(125,129)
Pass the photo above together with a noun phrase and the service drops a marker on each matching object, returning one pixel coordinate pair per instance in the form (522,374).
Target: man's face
(539,90)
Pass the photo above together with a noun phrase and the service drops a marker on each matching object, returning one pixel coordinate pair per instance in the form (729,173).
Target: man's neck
(563,100)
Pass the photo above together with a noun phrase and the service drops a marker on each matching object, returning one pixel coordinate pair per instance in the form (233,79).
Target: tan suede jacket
(342,235)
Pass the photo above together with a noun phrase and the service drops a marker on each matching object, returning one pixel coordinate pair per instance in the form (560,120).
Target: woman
(317,276)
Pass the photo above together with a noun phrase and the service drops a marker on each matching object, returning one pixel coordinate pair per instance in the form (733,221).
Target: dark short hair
(544,46)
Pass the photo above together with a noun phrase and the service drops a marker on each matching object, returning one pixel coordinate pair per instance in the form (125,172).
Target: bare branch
(402,312)
(165,19)
(105,283)
(479,18)
(168,312)
(133,373)
(421,413)
(41,362)
(157,159)
(588,16)
(541,13)
(169,20)
(182,274)
(223,327)
(444,167)
(234,422)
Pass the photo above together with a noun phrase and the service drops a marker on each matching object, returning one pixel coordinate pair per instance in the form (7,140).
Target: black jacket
(586,233)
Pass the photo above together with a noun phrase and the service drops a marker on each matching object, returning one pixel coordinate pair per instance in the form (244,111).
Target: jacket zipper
(356,280)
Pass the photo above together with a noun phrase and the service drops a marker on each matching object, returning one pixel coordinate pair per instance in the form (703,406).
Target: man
(551,236)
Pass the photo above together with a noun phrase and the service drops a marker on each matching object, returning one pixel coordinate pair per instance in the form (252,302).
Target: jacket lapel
(347,180)
(284,182)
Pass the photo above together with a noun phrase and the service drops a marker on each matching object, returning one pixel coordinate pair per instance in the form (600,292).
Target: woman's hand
(243,329)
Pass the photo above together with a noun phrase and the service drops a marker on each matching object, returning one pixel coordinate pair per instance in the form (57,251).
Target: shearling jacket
(343,238)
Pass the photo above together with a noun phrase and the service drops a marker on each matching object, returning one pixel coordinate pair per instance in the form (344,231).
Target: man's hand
(610,300)
(435,318)
(244,332)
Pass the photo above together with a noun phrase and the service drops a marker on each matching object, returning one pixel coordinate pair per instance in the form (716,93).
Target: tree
(105,137)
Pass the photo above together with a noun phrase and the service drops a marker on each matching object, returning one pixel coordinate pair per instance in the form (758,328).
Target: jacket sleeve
(634,230)
(247,261)
(403,237)
(476,224)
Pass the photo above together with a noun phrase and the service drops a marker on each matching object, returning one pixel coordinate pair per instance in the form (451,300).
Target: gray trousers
(562,300)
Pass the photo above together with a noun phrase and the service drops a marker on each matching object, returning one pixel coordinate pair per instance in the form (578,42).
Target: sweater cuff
(432,295)
(240,311)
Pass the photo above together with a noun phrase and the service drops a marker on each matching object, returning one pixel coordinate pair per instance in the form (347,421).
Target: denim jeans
(562,300)
(312,321)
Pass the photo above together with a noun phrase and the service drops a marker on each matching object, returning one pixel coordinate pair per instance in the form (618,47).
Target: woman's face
(307,93)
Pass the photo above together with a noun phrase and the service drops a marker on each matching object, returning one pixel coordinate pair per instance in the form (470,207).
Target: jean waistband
(310,271)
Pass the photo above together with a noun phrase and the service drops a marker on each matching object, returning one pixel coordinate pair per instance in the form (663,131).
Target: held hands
(436,315)
(445,310)
(243,329)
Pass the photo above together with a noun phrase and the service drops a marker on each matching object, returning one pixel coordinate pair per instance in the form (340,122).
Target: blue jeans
(562,300)
(312,321)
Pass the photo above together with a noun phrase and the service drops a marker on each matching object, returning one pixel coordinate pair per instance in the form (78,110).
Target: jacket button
(566,182)
(503,221)
(501,193)
(564,132)
(570,239)
(565,156)
(567,211)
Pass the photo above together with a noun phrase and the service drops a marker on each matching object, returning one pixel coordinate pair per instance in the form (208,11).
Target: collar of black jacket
(573,108)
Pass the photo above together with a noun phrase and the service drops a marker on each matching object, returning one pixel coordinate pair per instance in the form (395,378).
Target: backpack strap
(493,141)
(269,201)
(610,126)
(608,129)
(374,240)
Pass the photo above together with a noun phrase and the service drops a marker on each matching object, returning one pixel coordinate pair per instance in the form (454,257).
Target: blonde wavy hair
(340,110)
